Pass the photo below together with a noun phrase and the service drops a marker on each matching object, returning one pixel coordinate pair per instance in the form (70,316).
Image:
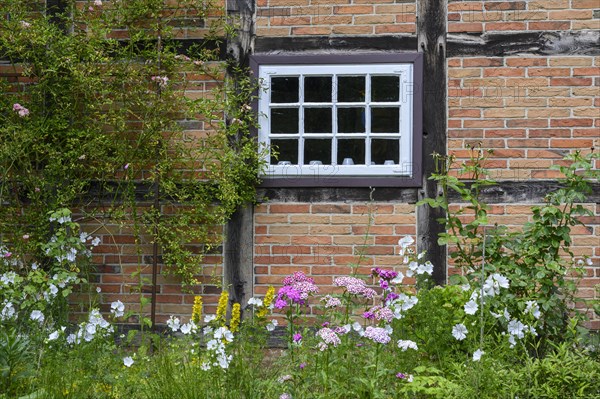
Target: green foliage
(87,120)
(536,259)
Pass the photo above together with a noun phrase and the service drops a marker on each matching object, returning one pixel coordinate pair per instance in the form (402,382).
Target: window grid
(404,165)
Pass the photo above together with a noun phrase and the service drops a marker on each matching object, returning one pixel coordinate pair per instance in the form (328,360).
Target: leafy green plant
(535,263)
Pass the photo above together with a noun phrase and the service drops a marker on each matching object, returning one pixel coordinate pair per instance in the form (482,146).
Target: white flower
(409,378)
(37,315)
(205,366)
(398,279)
(512,341)
(459,331)
(533,308)
(53,336)
(404,243)
(477,355)
(189,328)
(493,284)
(117,308)
(209,317)
(8,278)
(174,323)
(223,333)
(8,311)
(25,24)
(256,302)
(356,326)
(34,266)
(71,339)
(212,345)
(128,361)
(271,326)
(98,3)
(471,307)
(516,328)
(589,262)
(465,287)
(98,290)
(89,332)
(223,360)
(207,330)
(96,241)
(53,290)
(407,344)
(285,396)
(421,255)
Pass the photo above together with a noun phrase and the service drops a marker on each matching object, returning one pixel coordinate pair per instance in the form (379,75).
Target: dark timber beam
(431,35)
(238,248)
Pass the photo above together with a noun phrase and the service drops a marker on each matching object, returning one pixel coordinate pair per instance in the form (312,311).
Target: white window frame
(406,66)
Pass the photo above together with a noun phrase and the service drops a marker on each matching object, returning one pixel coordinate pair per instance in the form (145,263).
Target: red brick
(548,72)
(465,113)
(571,143)
(465,27)
(527,123)
(595,71)
(571,122)
(504,5)
(546,25)
(526,62)
(505,26)
(571,82)
(533,133)
(482,62)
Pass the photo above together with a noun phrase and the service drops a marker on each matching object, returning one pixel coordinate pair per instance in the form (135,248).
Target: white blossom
(459,331)
(117,308)
(174,323)
(471,307)
(37,315)
(407,344)
(128,361)
(53,336)
(477,355)
(256,302)
(271,326)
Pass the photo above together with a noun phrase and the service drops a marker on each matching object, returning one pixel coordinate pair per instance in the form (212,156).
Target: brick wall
(531,109)
(334,17)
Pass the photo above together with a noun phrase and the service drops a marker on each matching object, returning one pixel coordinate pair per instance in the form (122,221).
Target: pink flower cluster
(329,337)
(379,313)
(161,80)
(331,302)
(354,286)
(296,289)
(377,334)
(21,110)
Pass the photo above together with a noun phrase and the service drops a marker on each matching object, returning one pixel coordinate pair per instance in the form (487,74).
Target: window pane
(317,120)
(351,148)
(351,89)
(284,90)
(383,150)
(385,120)
(317,150)
(317,89)
(385,88)
(287,150)
(284,120)
(351,120)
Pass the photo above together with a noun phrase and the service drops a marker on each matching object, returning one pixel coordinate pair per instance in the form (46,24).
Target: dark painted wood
(238,250)
(584,42)
(431,34)
(524,192)
(323,44)
(331,194)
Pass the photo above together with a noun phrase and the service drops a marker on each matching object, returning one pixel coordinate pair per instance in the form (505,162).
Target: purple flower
(369,315)
(302,365)
(296,289)
(354,286)
(383,284)
(297,338)
(21,110)
(401,375)
(329,337)
(325,324)
(384,273)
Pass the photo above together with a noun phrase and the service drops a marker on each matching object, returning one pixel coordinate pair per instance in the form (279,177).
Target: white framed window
(338,120)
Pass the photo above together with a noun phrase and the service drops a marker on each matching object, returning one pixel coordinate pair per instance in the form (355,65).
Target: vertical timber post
(238,246)
(431,41)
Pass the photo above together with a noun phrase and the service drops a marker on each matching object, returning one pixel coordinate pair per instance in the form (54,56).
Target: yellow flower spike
(222,307)
(197,309)
(269,297)
(234,324)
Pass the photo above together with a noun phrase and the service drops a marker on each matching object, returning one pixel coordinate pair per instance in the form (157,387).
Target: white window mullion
(301,120)
(368,120)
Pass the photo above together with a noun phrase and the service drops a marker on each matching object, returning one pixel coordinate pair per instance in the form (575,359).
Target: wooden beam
(238,248)
(583,42)
(431,35)
(396,43)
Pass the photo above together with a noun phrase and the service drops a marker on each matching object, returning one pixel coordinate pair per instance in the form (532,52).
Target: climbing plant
(103,112)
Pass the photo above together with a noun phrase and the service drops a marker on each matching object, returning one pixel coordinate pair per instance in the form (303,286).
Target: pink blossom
(329,337)
(354,286)
(25,24)
(377,334)
(21,110)
(161,80)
